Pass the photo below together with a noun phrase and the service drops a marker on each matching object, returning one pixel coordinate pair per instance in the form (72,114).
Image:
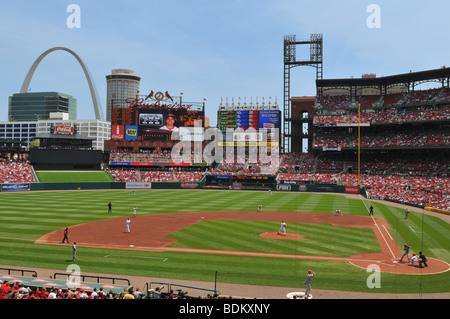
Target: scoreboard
(250,127)
(151,124)
(256,119)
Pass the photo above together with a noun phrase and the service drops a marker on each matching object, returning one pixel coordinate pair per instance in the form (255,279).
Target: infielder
(128,222)
(282,228)
(260,208)
(309,276)
(74,251)
(134,211)
(338,211)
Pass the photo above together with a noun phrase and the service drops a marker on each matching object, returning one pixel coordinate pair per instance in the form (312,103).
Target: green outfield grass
(73,176)
(24,217)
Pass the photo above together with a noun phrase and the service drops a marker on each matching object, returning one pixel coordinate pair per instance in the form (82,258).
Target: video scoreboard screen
(250,126)
(256,119)
(151,124)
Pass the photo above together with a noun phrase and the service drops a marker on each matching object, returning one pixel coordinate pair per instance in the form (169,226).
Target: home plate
(298,295)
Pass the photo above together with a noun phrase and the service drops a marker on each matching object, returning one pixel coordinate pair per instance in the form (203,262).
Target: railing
(22,271)
(95,277)
(181,294)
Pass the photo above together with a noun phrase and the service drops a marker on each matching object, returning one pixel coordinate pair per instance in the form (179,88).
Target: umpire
(66,235)
(422,260)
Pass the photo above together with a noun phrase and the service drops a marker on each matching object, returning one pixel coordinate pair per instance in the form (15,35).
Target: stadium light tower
(290,61)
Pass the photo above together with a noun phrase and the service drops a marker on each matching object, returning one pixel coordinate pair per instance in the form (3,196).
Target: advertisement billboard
(131,132)
(117,132)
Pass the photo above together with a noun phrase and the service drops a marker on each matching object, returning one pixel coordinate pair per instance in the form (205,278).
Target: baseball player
(414,258)
(134,211)
(282,228)
(128,222)
(74,251)
(338,212)
(260,208)
(406,248)
(309,276)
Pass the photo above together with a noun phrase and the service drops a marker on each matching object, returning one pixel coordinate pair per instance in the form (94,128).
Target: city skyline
(212,50)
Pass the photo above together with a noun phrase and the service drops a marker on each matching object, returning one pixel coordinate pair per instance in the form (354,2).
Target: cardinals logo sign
(158,100)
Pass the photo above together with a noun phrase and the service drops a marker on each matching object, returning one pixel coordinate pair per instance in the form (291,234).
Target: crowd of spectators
(294,162)
(15,172)
(334,101)
(419,96)
(157,176)
(16,290)
(413,189)
(392,115)
(125,175)
(417,181)
(369,101)
(411,139)
(194,176)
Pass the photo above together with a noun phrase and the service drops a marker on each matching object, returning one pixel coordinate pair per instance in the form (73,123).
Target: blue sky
(213,49)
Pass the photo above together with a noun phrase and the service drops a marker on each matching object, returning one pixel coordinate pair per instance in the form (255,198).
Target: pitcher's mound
(281,236)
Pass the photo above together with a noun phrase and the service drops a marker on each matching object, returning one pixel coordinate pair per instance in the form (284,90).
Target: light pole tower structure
(290,61)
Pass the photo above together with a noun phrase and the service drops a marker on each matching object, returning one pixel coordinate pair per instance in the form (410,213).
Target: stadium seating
(15,172)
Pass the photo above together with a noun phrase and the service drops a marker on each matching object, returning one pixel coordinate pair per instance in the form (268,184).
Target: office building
(122,85)
(35,106)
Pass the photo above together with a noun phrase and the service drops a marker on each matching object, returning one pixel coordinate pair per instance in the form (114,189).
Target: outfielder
(282,228)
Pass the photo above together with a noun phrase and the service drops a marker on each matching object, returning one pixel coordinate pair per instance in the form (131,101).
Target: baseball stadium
(358,174)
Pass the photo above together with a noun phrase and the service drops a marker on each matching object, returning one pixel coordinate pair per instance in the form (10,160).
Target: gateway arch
(94,96)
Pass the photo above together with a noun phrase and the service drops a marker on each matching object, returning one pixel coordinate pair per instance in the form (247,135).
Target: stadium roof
(405,78)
